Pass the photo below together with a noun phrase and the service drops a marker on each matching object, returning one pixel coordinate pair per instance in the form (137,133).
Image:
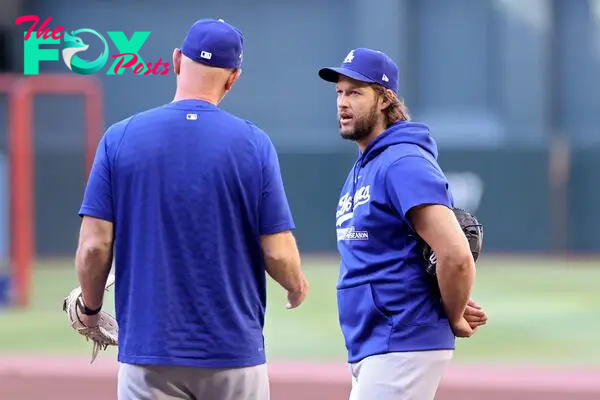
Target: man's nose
(342,101)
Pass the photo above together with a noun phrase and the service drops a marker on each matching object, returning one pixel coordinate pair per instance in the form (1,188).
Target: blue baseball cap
(215,43)
(365,65)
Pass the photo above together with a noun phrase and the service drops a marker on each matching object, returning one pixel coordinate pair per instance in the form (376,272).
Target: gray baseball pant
(154,382)
(399,376)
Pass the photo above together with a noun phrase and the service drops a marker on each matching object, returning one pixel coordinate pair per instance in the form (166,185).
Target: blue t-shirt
(190,189)
(387,302)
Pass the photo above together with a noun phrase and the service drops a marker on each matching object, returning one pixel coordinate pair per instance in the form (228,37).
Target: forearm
(93,262)
(282,261)
(287,272)
(455,280)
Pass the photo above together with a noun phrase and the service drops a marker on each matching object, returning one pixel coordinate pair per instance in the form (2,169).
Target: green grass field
(540,312)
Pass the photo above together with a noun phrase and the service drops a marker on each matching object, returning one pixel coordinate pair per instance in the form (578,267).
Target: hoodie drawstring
(355,171)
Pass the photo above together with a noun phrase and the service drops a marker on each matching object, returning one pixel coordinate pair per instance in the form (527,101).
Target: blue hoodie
(386,301)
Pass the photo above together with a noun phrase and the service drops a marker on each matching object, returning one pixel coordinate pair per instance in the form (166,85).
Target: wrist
(85,309)
(452,314)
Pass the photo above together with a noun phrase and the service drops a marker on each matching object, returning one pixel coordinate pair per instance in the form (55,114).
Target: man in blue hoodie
(192,199)
(398,322)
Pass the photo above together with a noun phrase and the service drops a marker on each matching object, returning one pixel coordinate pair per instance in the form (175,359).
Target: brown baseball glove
(104,334)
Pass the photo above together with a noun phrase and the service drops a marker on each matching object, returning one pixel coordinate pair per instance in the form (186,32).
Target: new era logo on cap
(365,65)
(214,42)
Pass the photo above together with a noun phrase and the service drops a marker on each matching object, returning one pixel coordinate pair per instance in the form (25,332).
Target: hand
(89,321)
(475,315)
(297,297)
(462,329)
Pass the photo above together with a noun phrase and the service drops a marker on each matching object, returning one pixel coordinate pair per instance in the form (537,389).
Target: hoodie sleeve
(413,181)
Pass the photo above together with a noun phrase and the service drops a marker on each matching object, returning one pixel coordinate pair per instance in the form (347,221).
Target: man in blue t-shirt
(398,322)
(193,201)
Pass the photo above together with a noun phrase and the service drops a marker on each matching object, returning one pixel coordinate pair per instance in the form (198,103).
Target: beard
(363,126)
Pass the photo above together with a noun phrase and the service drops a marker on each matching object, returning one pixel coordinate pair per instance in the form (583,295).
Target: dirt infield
(28,378)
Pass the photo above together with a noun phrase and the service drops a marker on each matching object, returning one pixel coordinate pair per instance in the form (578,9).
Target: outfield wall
(507,189)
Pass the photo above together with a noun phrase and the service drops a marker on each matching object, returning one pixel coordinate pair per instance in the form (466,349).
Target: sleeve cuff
(95,213)
(286,226)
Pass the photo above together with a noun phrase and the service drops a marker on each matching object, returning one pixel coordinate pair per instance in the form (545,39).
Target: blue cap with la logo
(215,43)
(365,65)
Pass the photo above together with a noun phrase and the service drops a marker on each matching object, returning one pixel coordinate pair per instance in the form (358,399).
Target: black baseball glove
(472,229)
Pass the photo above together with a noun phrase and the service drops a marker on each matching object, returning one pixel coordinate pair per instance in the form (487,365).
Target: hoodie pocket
(362,321)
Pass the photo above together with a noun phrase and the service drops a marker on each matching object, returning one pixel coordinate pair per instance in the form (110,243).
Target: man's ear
(233,79)
(177,61)
(384,103)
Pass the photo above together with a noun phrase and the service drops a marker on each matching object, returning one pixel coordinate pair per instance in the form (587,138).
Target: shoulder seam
(118,146)
(402,158)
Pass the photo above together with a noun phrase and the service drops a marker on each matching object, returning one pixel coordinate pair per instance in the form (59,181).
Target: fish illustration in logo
(73,45)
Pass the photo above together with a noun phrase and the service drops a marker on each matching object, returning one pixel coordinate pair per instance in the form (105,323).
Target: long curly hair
(397,110)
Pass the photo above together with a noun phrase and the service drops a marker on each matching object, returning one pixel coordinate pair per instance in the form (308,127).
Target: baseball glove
(104,334)
(472,229)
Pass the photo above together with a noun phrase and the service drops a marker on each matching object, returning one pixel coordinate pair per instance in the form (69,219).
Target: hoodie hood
(400,132)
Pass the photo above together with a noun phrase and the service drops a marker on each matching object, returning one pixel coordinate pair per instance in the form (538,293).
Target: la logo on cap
(349,57)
